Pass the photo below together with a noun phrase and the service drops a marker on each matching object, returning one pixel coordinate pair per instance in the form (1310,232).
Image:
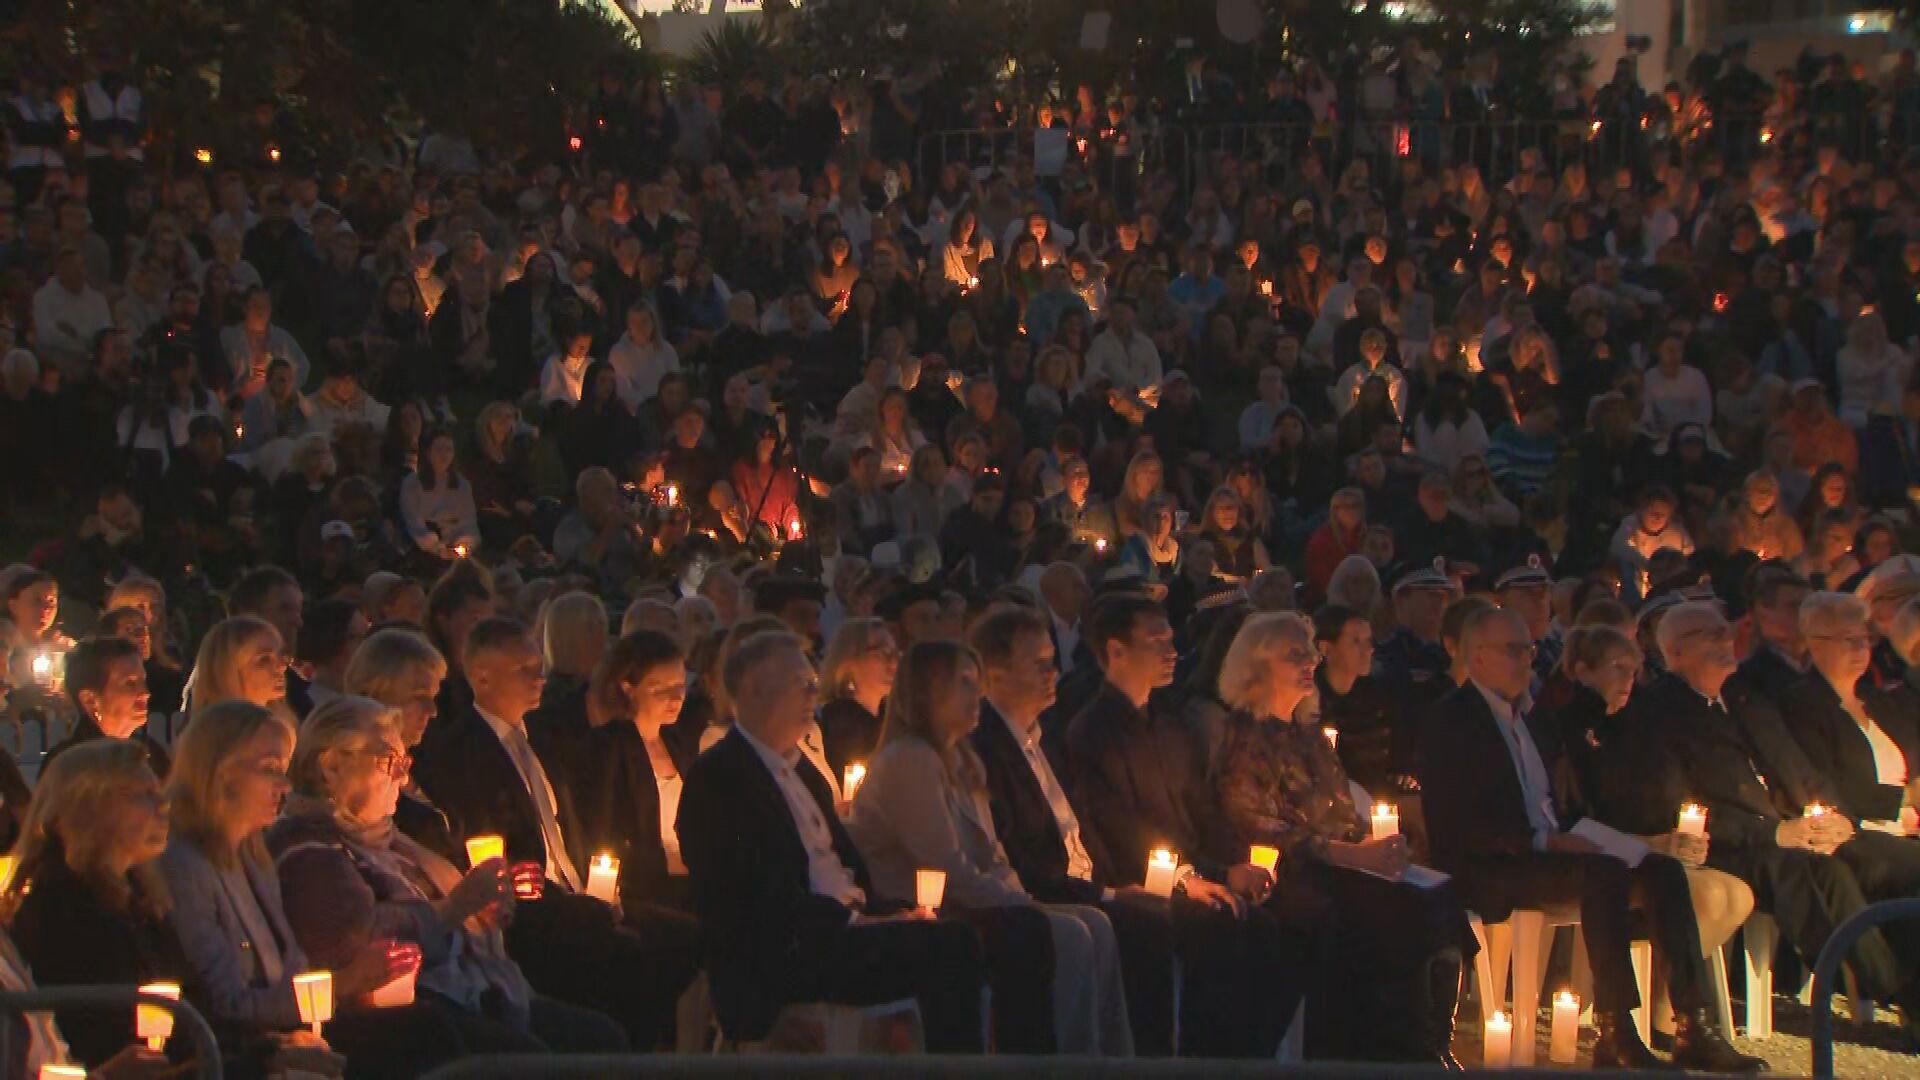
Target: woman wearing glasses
(1860,737)
(855,679)
(348,878)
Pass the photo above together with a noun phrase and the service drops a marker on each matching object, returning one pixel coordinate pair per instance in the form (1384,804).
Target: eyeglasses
(395,763)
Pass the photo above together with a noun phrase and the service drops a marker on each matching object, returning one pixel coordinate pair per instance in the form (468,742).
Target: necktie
(537,786)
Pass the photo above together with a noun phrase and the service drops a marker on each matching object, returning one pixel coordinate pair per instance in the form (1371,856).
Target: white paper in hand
(1628,849)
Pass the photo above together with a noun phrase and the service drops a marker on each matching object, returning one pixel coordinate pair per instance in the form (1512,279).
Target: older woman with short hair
(1282,786)
(1860,737)
(349,877)
(229,780)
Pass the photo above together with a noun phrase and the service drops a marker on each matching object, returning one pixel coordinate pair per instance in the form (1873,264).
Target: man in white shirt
(1121,354)
(68,314)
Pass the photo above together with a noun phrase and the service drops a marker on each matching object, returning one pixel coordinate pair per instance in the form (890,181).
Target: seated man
(784,895)
(1140,785)
(1805,871)
(489,779)
(1493,824)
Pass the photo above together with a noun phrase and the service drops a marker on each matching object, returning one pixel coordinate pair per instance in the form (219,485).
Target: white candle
(154,1023)
(1333,736)
(603,877)
(1496,1047)
(313,991)
(672,494)
(43,667)
(1100,544)
(1816,810)
(482,848)
(1162,865)
(1566,1028)
(1386,820)
(1264,857)
(62,1072)
(929,888)
(397,994)
(851,778)
(1693,820)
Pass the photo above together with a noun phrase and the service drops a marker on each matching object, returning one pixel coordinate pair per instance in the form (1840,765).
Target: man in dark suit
(1493,824)
(1696,744)
(107,681)
(789,908)
(488,778)
(1140,784)
(1774,595)
(1040,830)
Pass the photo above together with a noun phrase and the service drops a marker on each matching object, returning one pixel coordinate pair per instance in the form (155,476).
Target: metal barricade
(45,999)
(1828,965)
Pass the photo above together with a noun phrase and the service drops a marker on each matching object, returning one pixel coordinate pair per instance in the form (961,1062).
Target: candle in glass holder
(313,992)
(154,1023)
(482,848)
(929,888)
(1496,1046)
(1386,820)
(1566,1028)
(43,667)
(851,778)
(603,877)
(1162,865)
(1693,820)
(1264,857)
(397,994)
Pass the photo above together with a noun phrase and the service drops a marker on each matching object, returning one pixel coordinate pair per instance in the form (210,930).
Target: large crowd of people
(752,495)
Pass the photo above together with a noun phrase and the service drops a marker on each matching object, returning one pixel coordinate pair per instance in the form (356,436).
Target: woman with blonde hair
(87,905)
(573,635)
(229,781)
(347,876)
(1282,786)
(924,806)
(1238,551)
(1143,480)
(855,678)
(240,659)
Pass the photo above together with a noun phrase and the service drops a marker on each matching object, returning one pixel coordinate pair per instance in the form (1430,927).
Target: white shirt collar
(1507,712)
(773,759)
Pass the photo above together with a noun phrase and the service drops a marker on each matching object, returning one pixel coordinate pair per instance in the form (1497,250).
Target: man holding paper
(1494,825)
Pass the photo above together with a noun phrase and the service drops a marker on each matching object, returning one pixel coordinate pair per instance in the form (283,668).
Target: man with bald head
(784,896)
(1701,741)
(1499,827)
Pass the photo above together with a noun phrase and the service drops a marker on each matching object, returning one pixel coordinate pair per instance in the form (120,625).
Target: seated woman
(348,876)
(626,781)
(437,505)
(924,806)
(1282,786)
(240,659)
(86,904)
(400,668)
(1154,551)
(573,635)
(855,678)
(1861,738)
(229,779)
(1603,663)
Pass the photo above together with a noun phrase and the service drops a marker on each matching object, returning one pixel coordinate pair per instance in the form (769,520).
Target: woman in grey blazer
(924,807)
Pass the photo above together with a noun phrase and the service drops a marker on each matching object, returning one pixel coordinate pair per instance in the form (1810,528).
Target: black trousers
(1242,978)
(938,964)
(1018,944)
(397,1043)
(553,1027)
(1143,928)
(1810,895)
(1607,892)
(569,948)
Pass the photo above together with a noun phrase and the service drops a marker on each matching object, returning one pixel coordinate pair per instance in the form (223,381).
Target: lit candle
(1266,288)
(154,1023)
(794,532)
(673,493)
(397,994)
(203,155)
(603,877)
(851,778)
(1386,820)
(273,153)
(43,667)
(482,848)
(62,1072)
(239,431)
(900,467)
(1264,857)
(1693,820)
(1333,736)
(929,888)
(1816,810)
(7,863)
(1496,1046)
(1100,544)
(313,991)
(1566,1028)
(1161,867)
(459,551)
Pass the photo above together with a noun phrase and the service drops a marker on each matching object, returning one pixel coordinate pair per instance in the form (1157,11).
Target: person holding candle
(347,876)
(924,805)
(492,776)
(858,673)
(108,686)
(85,904)
(1139,784)
(1497,825)
(1865,741)
(783,893)
(228,783)
(29,621)
(1282,786)
(1373,746)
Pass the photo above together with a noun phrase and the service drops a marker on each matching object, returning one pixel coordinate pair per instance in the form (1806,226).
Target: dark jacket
(1470,789)
(852,734)
(470,777)
(617,805)
(1022,817)
(1839,750)
(751,890)
(86,731)
(1709,757)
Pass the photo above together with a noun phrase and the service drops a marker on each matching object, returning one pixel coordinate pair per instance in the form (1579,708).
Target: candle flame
(273,153)
(1566,997)
(603,861)
(1162,857)
(203,155)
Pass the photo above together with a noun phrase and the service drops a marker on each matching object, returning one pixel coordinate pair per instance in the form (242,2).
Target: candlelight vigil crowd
(1118,594)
